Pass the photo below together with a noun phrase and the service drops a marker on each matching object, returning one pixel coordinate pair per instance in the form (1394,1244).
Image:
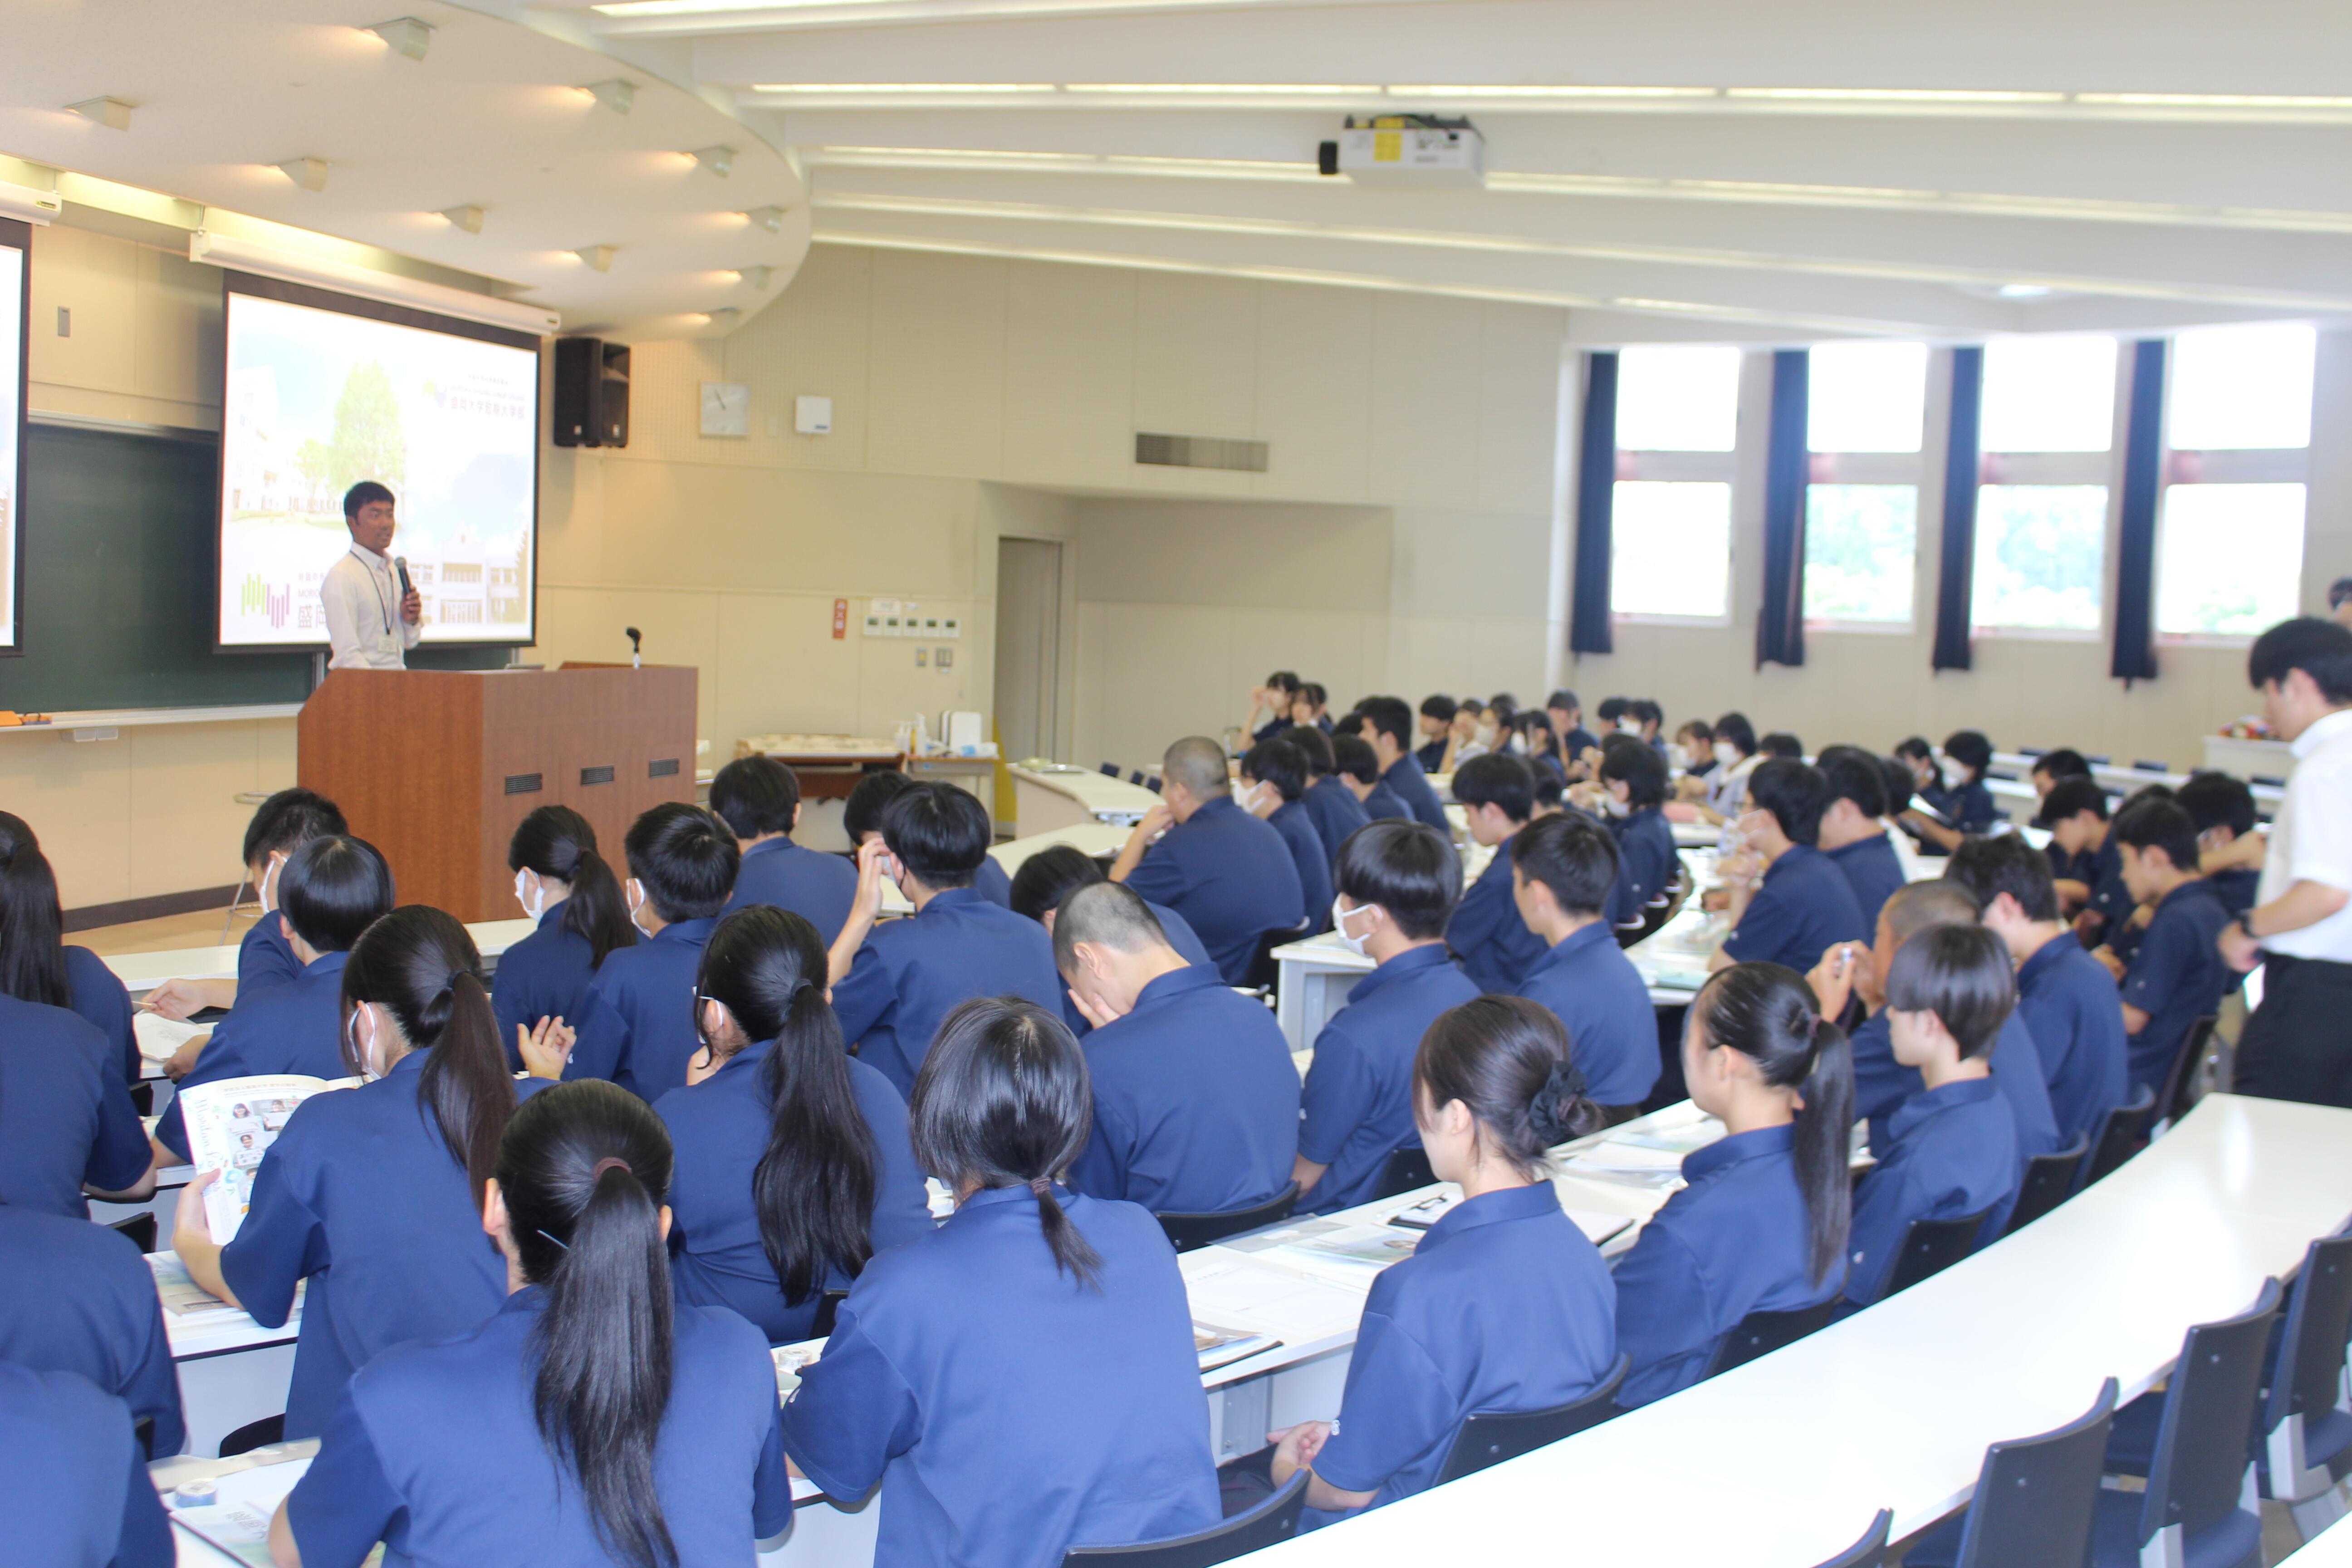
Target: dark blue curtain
(1955,580)
(1596,490)
(2135,651)
(1780,628)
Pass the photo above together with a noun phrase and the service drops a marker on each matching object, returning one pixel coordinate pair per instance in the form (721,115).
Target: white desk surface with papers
(1066,796)
(1893,1407)
(142,972)
(232,1369)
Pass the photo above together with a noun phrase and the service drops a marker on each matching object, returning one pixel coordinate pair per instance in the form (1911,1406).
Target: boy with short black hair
(1566,715)
(1562,870)
(1633,795)
(1274,781)
(2222,808)
(1498,795)
(2177,975)
(281,824)
(2081,861)
(1330,805)
(759,799)
(1789,902)
(1853,828)
(861,819)
(1387,725)
(1437,711)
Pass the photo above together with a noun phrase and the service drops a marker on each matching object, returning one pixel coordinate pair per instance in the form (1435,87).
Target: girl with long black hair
(1025,1374)
(36,963)
(1762,1224)
(792,1162)
(572,891)
(383,1181)
(587,1420)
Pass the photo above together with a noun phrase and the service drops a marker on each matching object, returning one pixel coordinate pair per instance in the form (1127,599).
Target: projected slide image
(12,351)
(317,400)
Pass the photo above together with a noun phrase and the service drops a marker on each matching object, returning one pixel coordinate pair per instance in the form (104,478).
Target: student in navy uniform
(36,964)
(1399,882)
(2177,975)
(1696,738)
(1632,784)
(1964,808)
(1311,705)
(585,1419)
(1437,711)
(1541,746)
(1566,715)
(1387,725)
(2076,813)
(1853,827)
(1021,1380)
(2066,997)
(1195,1096)
(77,1297)
(861,819)
(66,1118)
(792,1166)
(1504,1306)
(1330,805)
(1498,795)
(80,1476)
(2223,808)
(1275,702)
(1801,902)
(1229,875)
(760,799)
(1722,795)
(1562,869)
(892,982)
(1882,1083)
(330,890)
(382,1182)
(1951,1149)
(636,1024)
(1761,1225)
(1051,875)
(1273,779)
(1359,774)
(569,888)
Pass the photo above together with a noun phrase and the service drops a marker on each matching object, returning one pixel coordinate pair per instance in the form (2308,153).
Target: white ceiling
(1820,166)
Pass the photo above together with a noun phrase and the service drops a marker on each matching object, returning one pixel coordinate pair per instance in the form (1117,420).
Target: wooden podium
(436,768)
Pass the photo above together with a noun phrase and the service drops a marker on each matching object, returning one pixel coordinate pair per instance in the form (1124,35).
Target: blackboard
(119,530)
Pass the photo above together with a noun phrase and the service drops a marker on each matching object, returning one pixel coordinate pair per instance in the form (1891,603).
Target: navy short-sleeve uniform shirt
(992,882)
(1495,945)
(1803,905)
(1014,1411)
(77,1297)
(1951,1151)
(361,1195)
(2069,1001)
(1335,811)
(720,1128)
(817,887)
(1503,1307)
(65,1116)
(913,973)
(1734,1241)
(1646,862)
(98,996)
(435,1451)
(1359,1096)
(71,1456)
(1180,936)
(1872,871)
(1409,783)
(1297,829)
(265,958)
(1970,807)
(1230,875)
(1882,1084)
(544,975)
(295,1028)
(1385,805)
(638,1030)
(1612,1030)
(1195,1098)
(2177,977)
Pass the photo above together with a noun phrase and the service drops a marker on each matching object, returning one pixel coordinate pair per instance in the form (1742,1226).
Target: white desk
(1091,837)
(142,972)
(2332,1547)
(1785,1460)
(232,1369)
(1044,800)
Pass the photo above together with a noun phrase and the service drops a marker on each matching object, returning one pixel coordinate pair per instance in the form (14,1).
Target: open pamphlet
(160,1038)
(231,1124)
(1597,1227)
(1222,1347)
(236,1516)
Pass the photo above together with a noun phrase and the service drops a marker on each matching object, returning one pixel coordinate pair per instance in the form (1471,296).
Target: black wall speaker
(592,393)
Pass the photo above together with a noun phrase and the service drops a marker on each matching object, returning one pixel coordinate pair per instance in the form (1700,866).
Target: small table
(1066,796)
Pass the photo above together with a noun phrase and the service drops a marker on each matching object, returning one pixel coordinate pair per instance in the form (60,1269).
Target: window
(2229,550)
(1866,408)
(2047,432)
(1677,423)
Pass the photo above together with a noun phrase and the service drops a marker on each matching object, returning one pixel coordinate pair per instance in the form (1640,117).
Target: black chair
(1931,1247)
(142,1097)
(2119,1138)
(254,1435)
(140,1228)
(828,1308)
(1869,1552)
(1108,769)
(2302,1438)
(2144,766)
(1490,1440)
(1188,1231)
(1761,1333)
(1407,1170)
(2049,1181)
(1273,1521)
(2034,1503)
(2173,1100)
(2196,1464)
(143,1429)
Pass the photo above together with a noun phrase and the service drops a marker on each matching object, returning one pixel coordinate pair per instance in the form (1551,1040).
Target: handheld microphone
(400,565)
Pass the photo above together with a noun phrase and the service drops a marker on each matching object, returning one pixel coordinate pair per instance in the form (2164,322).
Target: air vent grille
(1199,452)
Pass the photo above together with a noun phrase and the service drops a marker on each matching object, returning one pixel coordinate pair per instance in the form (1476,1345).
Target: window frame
(1640,465)
(2103,470)
(1886,468)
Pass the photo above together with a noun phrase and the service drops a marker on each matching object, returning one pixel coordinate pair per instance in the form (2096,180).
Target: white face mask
(1486,734)
(636,896)
(531,895)
(365,1037)
(1726,753)
(267,891)
(1251,796)
(1613,806)
(1340,913)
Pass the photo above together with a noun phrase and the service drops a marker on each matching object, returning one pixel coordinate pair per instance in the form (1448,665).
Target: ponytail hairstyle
(814,1187)
(1768,1014)
(584,1167)
(1507,1060)
(418,964)
(557,842)
(1004,1100)
(32,924)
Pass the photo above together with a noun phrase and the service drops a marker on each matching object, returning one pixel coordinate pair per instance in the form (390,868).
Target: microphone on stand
(637,647)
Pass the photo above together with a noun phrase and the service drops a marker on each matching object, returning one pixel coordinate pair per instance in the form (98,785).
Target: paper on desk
(183,1297)
(1356,1253)
(237,1520)
(1241,1294)
(160,1038)
(1597,1227)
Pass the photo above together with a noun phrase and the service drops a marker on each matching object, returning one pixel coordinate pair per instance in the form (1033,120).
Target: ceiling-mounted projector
(1406,150)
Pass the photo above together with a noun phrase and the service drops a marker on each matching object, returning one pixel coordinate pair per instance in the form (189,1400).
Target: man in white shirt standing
(2298,1043)
(371,624)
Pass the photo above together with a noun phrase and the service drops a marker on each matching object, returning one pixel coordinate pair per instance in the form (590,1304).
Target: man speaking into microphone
(372,614)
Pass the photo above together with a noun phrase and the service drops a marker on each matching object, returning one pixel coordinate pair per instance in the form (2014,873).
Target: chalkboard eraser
(10,717)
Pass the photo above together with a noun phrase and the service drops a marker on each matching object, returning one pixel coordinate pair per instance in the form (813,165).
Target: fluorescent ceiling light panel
(844,88)
(2213,100)
(1894,95)
(1559,91)
(1231,89)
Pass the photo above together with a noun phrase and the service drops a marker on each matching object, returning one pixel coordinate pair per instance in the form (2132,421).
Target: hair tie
(609,1163)
(1041,1185)
(1563,1086)
(805,984)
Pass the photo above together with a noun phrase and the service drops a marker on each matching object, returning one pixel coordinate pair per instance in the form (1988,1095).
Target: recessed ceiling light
(2024,290)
